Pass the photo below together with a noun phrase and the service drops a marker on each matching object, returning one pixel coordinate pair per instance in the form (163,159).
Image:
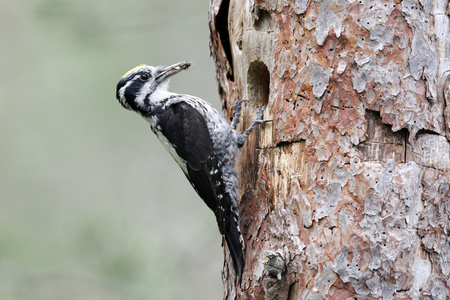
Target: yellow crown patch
(129,72)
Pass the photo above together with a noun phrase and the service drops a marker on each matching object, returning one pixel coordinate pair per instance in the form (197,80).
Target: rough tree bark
(346,194)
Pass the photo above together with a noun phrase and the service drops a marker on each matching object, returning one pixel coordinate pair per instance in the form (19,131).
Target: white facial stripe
(145,90)
(122,89)
(122,94)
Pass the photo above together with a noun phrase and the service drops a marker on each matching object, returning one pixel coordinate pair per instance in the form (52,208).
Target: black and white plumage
(200,140)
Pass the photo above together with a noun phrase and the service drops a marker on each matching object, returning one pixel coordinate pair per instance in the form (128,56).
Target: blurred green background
(91,205)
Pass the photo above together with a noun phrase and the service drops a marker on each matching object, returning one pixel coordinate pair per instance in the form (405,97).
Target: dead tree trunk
(346,193)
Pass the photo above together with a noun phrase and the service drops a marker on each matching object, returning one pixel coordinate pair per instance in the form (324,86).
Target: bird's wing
(186,131)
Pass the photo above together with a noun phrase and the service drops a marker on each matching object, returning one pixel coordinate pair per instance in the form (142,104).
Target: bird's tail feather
(233,238)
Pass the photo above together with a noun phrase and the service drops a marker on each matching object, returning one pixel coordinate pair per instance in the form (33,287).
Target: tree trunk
(346,193)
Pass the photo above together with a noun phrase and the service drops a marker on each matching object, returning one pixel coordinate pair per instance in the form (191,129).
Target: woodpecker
(199,139)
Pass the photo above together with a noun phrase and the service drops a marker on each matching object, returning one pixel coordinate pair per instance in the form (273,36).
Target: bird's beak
(164,73)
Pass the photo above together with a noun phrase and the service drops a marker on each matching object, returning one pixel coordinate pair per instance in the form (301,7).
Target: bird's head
(139,85)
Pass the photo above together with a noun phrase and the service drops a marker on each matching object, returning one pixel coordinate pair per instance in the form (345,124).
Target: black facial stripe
(133,76)
(131,92)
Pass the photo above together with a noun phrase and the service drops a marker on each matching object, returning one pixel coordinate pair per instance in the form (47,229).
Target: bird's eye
(145,76)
